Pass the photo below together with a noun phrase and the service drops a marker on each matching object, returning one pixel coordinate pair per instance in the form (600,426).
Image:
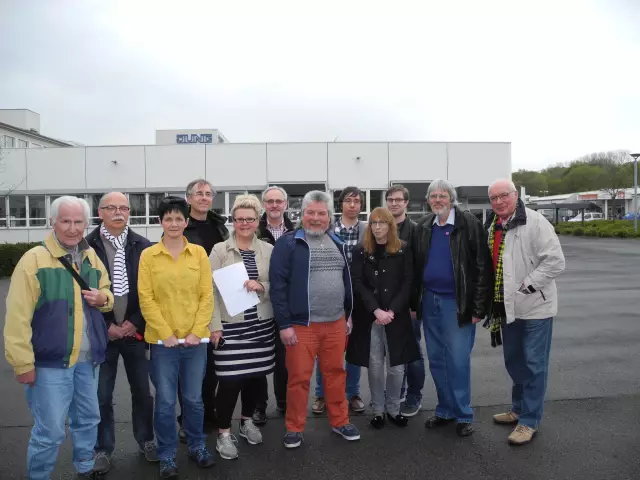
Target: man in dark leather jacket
(452,292)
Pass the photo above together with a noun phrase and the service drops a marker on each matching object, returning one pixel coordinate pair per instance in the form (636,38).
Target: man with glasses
(452,284)
(397,198)
(350,229)
(527,257)
(273,224)
(205,228)
(119,248)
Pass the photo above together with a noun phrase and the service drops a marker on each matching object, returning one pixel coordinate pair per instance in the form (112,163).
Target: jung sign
(194,138)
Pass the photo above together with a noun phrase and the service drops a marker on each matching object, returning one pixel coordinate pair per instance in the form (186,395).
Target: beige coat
(227,253)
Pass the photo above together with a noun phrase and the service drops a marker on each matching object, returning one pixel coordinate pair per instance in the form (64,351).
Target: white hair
(318,196)
(69,200)
(274,187)
(510,184)
(199,181)
(440,184)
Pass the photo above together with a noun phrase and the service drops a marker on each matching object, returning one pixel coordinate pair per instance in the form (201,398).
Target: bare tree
(614,176)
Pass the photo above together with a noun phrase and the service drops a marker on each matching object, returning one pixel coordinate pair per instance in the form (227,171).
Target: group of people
(338,295)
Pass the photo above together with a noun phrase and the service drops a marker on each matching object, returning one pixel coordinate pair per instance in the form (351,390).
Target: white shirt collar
(450,219)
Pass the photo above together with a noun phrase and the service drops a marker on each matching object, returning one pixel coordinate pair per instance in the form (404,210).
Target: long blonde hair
(393,241)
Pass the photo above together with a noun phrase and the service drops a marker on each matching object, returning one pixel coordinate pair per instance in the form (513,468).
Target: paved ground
(592,419)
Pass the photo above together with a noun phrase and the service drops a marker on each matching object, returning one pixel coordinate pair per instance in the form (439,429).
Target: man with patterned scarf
(527,257)
(119,248)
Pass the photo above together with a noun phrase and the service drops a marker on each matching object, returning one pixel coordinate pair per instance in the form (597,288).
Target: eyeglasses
(438,196)
(114,209)
(502,196)
(274,202)
(352,202)
(379,223)
(244,220)
(395,200)
(203,194)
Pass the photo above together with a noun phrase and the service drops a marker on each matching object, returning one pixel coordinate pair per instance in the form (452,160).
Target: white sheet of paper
(230,283)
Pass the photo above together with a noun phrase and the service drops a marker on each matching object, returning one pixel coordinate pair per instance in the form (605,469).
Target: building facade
(20,128)
(33,178)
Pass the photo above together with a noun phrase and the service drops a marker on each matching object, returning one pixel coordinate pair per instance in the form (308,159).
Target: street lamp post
(635,191)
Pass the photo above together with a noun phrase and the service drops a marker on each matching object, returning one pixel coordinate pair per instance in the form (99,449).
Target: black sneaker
(464,429)
(168,468)
(398,420)
(202,457)
(377,422)
(437,421)
(259,417)
(102,463)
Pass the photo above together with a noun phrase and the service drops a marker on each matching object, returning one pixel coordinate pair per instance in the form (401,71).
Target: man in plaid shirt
(350,230)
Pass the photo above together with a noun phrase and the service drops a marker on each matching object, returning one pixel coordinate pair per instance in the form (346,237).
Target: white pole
(635,193)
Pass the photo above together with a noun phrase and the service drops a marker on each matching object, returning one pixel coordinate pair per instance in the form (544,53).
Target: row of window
(12,142)
(18,211)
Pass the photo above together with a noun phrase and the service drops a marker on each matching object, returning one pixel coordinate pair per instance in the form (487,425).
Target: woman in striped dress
(248,351)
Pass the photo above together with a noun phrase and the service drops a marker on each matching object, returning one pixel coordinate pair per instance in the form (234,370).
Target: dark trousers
(280,379)
(227,397)
(209,385)
(136,366)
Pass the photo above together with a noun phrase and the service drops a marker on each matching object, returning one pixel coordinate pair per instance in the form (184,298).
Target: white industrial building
(20,128)
(31,178)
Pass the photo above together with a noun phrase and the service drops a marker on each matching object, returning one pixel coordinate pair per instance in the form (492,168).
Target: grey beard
(314,234)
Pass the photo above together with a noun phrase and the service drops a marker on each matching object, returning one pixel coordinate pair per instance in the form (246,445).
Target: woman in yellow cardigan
(176,300)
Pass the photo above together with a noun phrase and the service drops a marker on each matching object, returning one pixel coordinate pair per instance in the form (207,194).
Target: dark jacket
(132,251)
(264,233)
(383,283)
(406,232)
(217,220)
(289,279)
(472,267)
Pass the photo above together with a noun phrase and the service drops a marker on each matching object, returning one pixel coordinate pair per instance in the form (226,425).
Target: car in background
(588,217)
(630,216)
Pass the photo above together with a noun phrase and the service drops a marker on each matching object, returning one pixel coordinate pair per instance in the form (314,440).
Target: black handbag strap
(83,284)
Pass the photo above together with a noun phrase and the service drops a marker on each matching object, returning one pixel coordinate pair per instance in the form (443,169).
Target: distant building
(20,128)
(623,202)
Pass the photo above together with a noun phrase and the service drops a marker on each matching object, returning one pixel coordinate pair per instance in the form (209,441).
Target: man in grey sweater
(310,289)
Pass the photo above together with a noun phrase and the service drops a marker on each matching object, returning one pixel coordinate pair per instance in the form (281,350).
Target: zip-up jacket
(132,251)
(289,274)
(472,269)
(215,219)
(46,311)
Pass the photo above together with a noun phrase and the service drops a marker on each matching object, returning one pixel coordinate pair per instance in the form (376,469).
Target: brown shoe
(318,405)
(507,418)
(356,404)
(521,435)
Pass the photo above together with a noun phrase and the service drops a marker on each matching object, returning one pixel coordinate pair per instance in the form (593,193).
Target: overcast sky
(557,78)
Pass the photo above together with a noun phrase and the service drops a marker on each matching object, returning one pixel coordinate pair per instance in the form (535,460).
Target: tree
(615,167)
(534,182)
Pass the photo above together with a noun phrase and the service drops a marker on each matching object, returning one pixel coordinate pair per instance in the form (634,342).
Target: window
(417,199)
(154,203)
(3,211)
(94,202)
(295,194)
(138,205)
(23,144)
(9,142)
(218,203)
(37,211)
(17,211)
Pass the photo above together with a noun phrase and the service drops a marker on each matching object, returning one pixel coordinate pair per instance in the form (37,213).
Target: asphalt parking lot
(591,428)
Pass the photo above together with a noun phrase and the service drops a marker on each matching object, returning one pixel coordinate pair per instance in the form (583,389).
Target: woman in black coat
(381,272)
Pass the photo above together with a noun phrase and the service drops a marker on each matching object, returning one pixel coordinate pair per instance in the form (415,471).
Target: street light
(635,191)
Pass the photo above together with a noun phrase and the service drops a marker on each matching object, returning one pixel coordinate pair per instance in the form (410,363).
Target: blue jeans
(526,346)
(353,381)
(137,367)
(449,351)
(189,364)
(414,375)
(59,392)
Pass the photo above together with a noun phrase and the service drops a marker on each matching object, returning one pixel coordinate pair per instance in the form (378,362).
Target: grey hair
(101,202)
(250,202)
(510,183)
(440,184)
(274,187)
(196,182)
(54,211)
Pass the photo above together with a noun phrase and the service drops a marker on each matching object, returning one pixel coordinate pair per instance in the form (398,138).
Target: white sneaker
(226,446)
(250,432)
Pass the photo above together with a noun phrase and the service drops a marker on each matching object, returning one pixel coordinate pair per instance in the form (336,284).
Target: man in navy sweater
(452,283)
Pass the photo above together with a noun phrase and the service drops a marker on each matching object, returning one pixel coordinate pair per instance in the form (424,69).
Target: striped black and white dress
(249,349)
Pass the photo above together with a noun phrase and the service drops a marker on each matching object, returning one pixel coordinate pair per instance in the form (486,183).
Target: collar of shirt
(450,219)
(278,227)
(348,229)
